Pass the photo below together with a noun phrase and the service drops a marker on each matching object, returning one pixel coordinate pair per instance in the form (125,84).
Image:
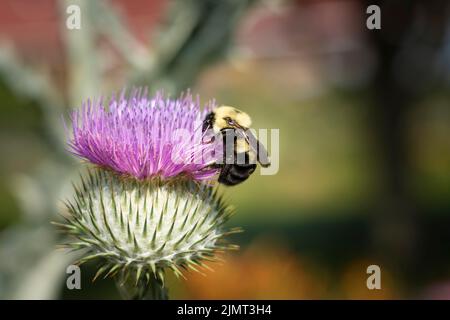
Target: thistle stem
(129,289)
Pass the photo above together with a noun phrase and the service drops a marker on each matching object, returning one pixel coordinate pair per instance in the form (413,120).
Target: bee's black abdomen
(242,172)
(233,174)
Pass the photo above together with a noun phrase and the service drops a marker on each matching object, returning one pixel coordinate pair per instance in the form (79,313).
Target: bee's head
(229,117)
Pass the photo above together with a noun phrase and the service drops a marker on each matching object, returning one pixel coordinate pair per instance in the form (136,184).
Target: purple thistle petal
(137,135)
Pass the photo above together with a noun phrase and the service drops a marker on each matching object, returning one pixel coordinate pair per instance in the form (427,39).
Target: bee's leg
(211,140)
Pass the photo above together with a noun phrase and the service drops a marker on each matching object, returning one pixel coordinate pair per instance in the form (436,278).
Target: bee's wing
(258,148)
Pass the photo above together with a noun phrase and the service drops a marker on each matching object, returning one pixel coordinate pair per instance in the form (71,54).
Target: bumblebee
(241,149)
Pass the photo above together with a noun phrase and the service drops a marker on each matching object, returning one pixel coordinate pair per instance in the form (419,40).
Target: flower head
(143,136)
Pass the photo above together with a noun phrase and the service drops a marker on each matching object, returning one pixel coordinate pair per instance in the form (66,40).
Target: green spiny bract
(140,228)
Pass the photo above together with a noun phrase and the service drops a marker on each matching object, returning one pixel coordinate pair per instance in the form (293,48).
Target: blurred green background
(364,120)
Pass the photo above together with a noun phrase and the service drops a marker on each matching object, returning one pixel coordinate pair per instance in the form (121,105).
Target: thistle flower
(139,211)
(143,137)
